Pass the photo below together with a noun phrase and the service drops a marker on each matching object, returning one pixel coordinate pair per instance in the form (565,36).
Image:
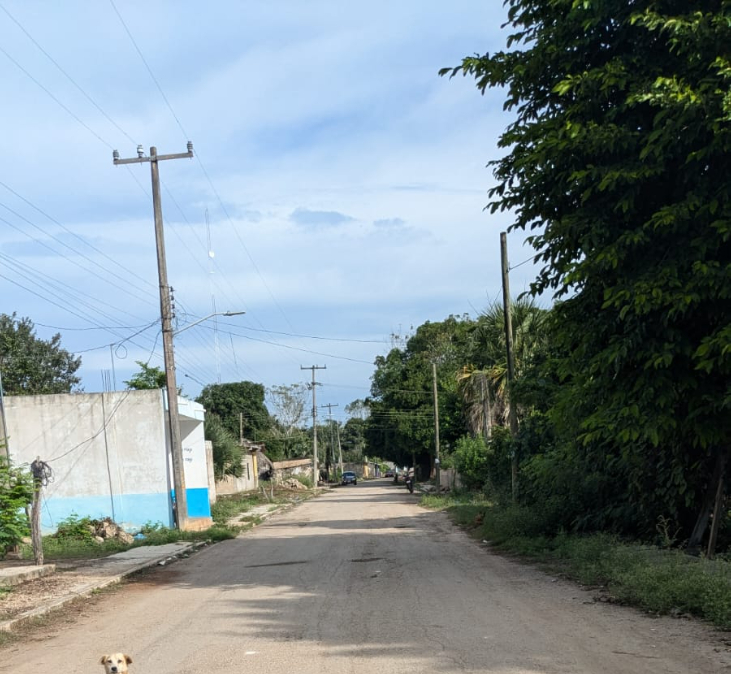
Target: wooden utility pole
(241,428)
(40,472)
(176,447)
(436,427)
(512,411)
(316,475)
(717,508)
(4,449)
(332,435)
(340,450)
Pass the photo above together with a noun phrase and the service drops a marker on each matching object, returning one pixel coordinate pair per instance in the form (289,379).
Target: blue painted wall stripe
(198,505)
(131,511)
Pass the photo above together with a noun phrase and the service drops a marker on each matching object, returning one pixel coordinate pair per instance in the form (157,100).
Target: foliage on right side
(617,163)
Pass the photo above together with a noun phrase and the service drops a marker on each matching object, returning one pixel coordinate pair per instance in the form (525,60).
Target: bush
(227,454)
(75,528)
(16,494)
(470,457)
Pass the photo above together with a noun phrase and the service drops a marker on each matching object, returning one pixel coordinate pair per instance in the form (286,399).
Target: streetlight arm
(205,318)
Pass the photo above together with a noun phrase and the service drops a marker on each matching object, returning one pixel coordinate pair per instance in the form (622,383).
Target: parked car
(388,473)
(349,477)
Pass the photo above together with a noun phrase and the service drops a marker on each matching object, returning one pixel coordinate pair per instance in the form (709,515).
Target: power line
(326,339)
(101,139)
(126,270)
(68,77)
(200,162)
(72,114)
(149,70)
(296,348)
(100,327)
(71,248)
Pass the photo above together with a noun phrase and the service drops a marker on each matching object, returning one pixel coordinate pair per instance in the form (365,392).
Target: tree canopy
(229,400)
(617,163)
(147,378)
(31,365)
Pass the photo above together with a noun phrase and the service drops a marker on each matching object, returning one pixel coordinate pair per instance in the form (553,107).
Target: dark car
(349,477)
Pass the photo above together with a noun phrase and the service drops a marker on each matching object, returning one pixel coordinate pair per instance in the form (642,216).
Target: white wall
(235,485)
(107,452)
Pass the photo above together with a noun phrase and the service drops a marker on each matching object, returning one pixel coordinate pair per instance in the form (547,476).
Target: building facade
(110,455)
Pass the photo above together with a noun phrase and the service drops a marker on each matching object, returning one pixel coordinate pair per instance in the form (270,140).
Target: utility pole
(436,427)
(4,448)
(316,475)
(512,411)
(176,447)
(332,435)
(340,450)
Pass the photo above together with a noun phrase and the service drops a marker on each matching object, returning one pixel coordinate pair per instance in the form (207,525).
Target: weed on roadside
(655,579)
(228,507)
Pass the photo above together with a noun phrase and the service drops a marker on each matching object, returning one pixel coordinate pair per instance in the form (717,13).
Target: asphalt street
(362,579)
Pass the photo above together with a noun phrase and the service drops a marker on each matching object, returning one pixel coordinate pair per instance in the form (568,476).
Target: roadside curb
(88,588)
(17,575)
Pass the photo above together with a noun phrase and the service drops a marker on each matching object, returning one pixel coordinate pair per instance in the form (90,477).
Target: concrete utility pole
(332,436)
(316,475)
(512,411)
(436,427)
(181,497)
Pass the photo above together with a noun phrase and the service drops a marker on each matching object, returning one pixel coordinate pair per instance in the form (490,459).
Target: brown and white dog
(116,663)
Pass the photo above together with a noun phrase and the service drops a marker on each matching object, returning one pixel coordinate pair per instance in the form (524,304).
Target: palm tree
(474,387)
(484,384)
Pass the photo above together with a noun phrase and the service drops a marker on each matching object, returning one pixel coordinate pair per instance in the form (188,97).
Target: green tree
(228,401)
(227,453)
(32,366)
(483,383)
(401,421)
(353,438)
(147,378)
(16,493)
(618,162)
(286,436)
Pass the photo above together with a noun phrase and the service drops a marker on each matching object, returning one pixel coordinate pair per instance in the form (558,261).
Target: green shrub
(75,528)
(16,493)
(227,453)
(471,460)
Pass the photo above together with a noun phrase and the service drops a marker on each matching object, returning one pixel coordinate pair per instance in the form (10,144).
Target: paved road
(363,580)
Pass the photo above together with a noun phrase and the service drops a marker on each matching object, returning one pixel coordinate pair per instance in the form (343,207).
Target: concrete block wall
(106,451)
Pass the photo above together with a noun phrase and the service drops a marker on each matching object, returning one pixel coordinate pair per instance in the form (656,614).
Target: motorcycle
(410,484)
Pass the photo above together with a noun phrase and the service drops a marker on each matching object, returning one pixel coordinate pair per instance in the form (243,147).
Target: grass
(228,507)
(656,580)
(77,543)
(85,548)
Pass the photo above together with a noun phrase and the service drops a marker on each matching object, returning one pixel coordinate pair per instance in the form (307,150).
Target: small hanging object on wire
(42,472)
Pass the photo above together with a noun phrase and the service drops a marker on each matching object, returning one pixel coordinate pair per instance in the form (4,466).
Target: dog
(116,663)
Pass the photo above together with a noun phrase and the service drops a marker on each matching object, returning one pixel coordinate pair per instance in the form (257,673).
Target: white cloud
(354,178)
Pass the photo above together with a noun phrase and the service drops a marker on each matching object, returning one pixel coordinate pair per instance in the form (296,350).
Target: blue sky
(343,181)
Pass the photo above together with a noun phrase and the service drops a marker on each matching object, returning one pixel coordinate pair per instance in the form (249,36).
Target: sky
(337,193)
